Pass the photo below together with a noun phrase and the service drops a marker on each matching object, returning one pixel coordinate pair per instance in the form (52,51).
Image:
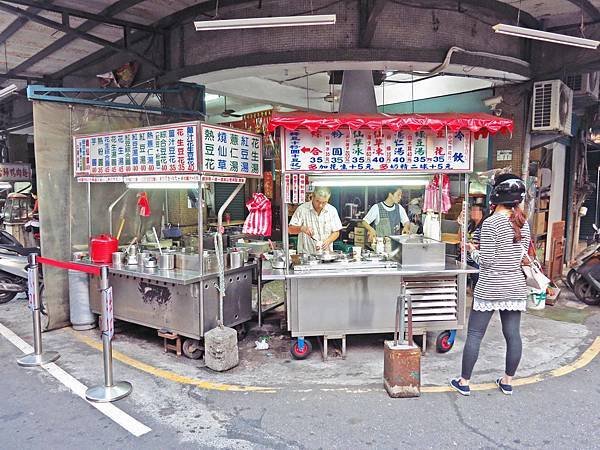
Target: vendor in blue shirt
(388,216)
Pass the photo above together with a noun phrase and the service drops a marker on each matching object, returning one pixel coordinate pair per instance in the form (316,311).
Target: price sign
(377,151)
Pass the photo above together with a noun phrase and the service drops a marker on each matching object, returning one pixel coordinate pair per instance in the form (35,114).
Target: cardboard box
(540,226)
(360,231)
(359,241)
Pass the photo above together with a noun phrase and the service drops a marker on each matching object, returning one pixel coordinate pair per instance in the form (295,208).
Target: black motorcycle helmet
(508,190)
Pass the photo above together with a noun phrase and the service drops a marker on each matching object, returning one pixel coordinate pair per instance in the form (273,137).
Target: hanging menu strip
(229,151)
(166,149)
(384,151)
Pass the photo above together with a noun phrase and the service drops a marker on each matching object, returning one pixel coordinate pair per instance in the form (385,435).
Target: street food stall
(335,295)
(156,280)
(17,208)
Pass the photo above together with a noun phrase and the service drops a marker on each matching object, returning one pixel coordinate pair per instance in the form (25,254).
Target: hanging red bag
(259,220)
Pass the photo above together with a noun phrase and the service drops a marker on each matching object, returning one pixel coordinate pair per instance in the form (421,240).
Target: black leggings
(478,323)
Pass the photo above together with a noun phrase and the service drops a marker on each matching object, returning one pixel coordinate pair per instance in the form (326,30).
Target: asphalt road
(37,411)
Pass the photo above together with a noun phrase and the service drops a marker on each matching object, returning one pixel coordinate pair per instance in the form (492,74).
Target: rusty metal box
(401,370)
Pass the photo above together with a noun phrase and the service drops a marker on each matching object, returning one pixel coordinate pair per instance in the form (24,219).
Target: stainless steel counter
(351,268)
(176,276)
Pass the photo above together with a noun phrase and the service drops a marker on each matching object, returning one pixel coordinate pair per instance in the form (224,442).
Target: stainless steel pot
(166,261)
(244,251)
(150,262)
(210,263)
(235,259)
(117,258)
(141,259)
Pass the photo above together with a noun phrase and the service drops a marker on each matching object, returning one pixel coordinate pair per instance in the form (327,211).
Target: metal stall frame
(459,271)
(188,288)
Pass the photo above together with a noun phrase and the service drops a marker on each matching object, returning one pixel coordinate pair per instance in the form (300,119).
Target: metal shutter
(237,208)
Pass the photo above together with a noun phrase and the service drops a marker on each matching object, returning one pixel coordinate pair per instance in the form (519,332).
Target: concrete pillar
(555,213)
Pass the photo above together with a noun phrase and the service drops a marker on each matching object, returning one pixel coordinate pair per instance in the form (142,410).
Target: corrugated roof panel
(91,6)
(152,11)
(70,53)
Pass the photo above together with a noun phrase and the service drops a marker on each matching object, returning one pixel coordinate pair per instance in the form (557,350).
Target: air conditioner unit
(552,107)
(584,84)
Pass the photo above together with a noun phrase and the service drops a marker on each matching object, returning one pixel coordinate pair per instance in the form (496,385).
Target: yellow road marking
(583,360)
(172,376)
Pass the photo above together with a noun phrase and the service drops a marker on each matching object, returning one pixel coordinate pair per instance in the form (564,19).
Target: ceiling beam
(166,22)
(16,24)
(588,8)
(367,35)
(100,18)
(115,8)
(503,9)
(69,30)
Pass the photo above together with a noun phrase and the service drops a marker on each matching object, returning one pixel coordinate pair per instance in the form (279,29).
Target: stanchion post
(110,391)
(38,357)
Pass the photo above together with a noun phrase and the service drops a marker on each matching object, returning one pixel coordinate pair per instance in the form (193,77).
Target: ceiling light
(539,35)
(162,185)
(265,22)
(8,90)
(347,181)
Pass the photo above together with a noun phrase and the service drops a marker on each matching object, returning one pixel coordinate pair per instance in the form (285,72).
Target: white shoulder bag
(534,276)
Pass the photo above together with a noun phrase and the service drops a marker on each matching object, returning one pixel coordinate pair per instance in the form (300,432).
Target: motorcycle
(582,257)
(13,266)
(587,285)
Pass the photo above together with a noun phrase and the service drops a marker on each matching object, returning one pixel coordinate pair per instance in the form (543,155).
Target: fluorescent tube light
(211,97)
(162,185)
(8,90)
(265,22)
(347,181)
(539,35)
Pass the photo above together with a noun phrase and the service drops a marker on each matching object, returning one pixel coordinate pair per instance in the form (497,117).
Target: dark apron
(390,222)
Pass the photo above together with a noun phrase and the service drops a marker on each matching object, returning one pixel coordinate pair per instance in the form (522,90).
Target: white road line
(75,386)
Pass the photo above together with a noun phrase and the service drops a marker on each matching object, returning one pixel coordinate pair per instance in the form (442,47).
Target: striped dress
(501,284)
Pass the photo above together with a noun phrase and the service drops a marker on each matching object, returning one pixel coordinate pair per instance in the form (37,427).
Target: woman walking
(501,287)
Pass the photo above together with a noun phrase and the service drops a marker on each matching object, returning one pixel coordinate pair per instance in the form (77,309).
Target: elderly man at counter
(388,216)
(316,223)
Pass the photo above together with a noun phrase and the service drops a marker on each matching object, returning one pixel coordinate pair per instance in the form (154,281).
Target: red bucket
(102,247)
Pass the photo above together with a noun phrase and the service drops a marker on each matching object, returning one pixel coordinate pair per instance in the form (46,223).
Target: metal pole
(219,247)
(89,211)
(201,226)
(466,217)
(38,357)
(111,207)
(110,391)
(597,195)
(258,291)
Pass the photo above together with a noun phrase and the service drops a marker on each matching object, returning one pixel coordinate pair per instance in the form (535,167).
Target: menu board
(166,149)
(382,151)
(228,151)
(15,172)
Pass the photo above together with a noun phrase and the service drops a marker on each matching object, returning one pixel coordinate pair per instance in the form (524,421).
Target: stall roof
(479,123)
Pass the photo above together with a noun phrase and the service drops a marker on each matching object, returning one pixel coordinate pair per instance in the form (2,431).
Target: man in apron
(388,216)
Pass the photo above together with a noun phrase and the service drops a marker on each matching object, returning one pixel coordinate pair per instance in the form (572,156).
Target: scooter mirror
(595,226)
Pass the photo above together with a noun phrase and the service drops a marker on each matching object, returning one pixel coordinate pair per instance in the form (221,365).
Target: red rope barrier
(87,268)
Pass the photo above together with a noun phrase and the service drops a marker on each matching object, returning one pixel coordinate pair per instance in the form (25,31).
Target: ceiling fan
(229,112)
